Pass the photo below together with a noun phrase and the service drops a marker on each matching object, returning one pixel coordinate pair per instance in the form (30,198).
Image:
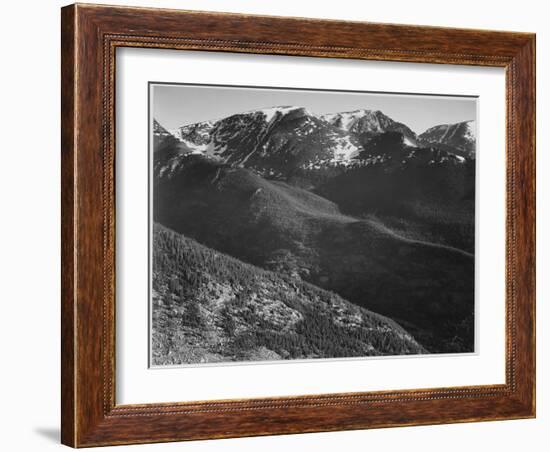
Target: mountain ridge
(460,136)
(330,139)
(291,143)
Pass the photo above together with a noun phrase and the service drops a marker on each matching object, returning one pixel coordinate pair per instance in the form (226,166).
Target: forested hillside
(210,307)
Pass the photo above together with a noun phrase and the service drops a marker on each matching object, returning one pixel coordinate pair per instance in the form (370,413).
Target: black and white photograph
(302,224)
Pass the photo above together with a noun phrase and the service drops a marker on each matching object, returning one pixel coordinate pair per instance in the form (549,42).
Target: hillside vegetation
(209,307)
(270,224)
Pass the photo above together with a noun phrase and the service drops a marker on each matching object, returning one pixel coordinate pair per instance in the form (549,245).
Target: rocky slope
(278,140)
(160,134)
(365,124)
(209,307)
(272,141)
(460,137)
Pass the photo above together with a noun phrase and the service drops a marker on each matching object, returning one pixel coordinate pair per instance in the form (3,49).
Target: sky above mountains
(177,105)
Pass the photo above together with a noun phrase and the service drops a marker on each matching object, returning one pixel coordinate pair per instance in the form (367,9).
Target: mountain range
(280,140)
(354,204)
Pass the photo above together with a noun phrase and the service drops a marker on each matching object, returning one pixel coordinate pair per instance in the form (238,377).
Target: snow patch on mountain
(276,140)
(270,113)
(348,119)
(345,150)
(460,136)
(409,142)
(345,120)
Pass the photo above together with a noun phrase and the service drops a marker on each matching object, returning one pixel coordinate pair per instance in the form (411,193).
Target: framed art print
(278,225)
(304,217)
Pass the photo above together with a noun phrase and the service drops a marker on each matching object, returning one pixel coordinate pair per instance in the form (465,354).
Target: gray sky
(178,105)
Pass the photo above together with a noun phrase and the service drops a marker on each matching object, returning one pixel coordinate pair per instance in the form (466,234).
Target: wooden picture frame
(90,36)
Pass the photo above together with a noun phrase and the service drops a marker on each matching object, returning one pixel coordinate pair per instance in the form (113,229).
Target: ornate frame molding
(90,37)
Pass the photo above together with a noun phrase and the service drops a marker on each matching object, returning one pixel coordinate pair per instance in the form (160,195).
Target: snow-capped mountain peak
(279,140)
(292,133)
(348,119)
(364,122)
(460,136)
(279,111)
